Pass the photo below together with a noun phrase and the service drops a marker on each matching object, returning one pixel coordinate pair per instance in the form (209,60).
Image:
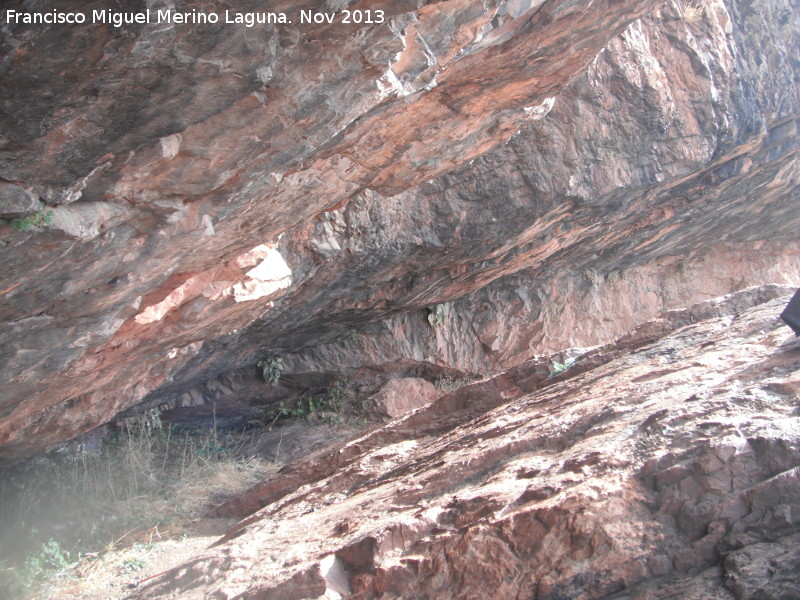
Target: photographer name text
(248,19)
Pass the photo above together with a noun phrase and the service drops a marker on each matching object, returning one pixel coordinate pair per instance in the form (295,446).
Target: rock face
(665,464)
(16,202)
(400,396)
(463,190)
(552,172)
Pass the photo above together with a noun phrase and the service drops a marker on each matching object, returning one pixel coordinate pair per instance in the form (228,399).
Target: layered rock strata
(664,463)
(174,159)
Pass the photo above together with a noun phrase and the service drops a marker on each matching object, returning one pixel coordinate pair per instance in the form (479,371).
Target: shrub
(559,368)
(39,219)
(148,475)
(271,369)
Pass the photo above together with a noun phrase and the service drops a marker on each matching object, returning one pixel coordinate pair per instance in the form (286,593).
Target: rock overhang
(167,161)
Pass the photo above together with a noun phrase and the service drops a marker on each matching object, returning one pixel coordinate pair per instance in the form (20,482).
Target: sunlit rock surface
(664,463)
(492,192)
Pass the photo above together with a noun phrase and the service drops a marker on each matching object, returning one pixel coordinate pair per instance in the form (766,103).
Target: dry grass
(693,13)
(62,512)
(113,574)
(447,382)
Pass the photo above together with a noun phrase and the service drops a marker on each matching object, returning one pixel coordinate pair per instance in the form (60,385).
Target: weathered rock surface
(650,142)
(400,396)
(16,201)
(663,465)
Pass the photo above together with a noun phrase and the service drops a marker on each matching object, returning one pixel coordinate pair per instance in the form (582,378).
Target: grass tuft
(693,13)
(146,480)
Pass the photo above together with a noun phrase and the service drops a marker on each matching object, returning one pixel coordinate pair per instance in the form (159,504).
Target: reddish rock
(400,396)
(663,463)
(558,172)
(467,189)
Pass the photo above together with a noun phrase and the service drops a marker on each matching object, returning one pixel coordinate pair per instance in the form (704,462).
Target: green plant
(271,369)
(50,558)
(133,564)
(437,314)
(338,393)
(269,418)
(21,580)
(559,368)
(211,448)
(39,219)
(331,402)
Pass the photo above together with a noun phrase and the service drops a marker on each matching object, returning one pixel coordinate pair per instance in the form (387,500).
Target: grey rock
(16,201)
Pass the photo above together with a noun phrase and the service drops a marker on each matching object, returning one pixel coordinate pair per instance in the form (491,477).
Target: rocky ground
(115,573)
(663,465)
(461,191)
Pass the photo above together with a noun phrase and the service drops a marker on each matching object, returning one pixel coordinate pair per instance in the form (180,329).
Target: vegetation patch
(558,368)
(271,369)
(148,480)
(328,405)
(34,221)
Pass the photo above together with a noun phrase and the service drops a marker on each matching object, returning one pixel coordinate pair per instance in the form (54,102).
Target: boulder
(400,396)
(16,201)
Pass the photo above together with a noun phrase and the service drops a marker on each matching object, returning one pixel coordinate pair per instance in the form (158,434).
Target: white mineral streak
(269,276)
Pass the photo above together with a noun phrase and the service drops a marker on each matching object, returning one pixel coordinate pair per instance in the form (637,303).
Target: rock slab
(400,396)
(666,462)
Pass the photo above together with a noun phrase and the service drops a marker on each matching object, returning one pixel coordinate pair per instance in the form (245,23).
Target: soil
(116,573)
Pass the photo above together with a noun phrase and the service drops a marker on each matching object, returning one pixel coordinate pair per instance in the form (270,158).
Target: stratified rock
(556,172)
(666,462)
